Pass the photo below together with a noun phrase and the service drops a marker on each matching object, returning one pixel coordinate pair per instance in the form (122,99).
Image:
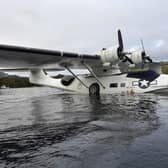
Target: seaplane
(110,70)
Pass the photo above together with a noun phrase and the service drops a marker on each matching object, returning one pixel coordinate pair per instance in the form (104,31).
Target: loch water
(45,127)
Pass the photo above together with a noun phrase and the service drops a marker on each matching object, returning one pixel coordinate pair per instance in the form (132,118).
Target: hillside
(14,82)
(165,68)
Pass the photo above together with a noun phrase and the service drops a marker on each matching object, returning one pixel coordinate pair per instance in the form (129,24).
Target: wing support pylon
(93,74)
(76,77)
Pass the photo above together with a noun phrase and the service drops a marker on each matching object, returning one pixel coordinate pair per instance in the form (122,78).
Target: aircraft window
(67,80)
(113,85)
(122,85)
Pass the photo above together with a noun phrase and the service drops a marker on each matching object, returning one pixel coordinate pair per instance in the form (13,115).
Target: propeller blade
(142,44)
(149,59)
(145,57)
(129,60)
(120,41)
(122,55)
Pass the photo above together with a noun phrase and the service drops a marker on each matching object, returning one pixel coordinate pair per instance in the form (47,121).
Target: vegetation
(165,68)
(15,82)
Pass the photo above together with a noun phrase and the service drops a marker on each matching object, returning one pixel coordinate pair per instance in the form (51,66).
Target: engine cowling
(136,57)
(109,56)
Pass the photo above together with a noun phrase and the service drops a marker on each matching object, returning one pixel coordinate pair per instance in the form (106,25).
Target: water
(44,127)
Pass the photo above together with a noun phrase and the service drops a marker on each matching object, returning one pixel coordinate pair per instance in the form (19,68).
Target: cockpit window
(67,80)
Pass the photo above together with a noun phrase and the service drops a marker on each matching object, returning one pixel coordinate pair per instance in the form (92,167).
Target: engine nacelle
(136,57)
(109,56)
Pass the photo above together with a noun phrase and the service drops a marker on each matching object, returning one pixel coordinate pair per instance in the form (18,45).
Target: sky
(86,26)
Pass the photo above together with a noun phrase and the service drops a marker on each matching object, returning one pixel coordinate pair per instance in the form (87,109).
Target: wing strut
(76,77)
(92,73)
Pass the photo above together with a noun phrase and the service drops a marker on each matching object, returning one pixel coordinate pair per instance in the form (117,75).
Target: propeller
(121,54)
(120,41)
(145,57)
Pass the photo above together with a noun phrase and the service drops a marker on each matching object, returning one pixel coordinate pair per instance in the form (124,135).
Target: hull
(163,91)
(110,84)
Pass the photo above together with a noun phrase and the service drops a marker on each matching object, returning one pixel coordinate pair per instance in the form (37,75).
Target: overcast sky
(85,26)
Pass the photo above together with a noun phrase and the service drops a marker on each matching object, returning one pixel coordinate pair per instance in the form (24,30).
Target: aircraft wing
(14,57)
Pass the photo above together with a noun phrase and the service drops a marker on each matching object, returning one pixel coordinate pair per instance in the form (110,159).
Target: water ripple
(43,127)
